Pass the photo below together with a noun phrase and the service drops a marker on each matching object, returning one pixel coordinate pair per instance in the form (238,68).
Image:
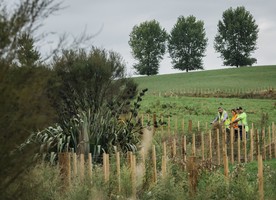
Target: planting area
(178,156)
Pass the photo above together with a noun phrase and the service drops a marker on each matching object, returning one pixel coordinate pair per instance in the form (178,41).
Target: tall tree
(26,17)
(27,54)
(187,43)
(148,43)
(237,37)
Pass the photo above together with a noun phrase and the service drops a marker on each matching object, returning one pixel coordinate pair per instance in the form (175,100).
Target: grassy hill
(260,111)
(245,78)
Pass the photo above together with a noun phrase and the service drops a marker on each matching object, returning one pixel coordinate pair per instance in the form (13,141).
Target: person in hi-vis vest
(242,120)
(221,120)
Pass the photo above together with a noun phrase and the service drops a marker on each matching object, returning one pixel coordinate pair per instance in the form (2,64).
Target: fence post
(210,144)
(65,168)
(225,162)
(263,140)
(192,172)
(260,177)
(184,150)
(202,146)
(169,125)
(183,127)
(118,167)
(81,166)
(190,126)
(164,160)
(258,144)
(232,144)
(239,147)
(154,164)
(274,138)
(244,144)
(251,145)
(174,148)
(193,146)
(269,142)
(176,125)
(133,175)
(75,168)
(90,165)
(106,166)
(218,147)
(162,126)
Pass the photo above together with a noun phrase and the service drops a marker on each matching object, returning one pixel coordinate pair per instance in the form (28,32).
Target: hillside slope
(245,78)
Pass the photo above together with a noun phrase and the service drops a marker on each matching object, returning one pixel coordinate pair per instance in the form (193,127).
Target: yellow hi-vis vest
(220,118)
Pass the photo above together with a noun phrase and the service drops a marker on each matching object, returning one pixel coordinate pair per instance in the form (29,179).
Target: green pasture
(261,112)
(245,78)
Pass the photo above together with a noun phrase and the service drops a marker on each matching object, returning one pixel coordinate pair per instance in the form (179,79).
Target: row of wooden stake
(79,166)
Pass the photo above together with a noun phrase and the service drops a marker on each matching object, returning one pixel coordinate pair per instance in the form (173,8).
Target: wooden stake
(244,144)
(260,177)
(226,168)
(239,147)
(192,171)
(174,148)
(183,127)
(258,144)
(65,168)
(218,147)
(169,125)
(274,138)
(81,166)
(184,150)
(232,144)
(143,160)
(264,144)
(210,144)
(269,143)
(193,146)
(251,145)
(133,175)
(118,167)
(154,164)
(176,125)
(75,168)
(164,166)
(190,126)
(202,146)
(90,165)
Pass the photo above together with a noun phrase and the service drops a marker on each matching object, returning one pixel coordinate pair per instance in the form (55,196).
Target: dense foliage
(148,43)
(187,44)
(237,37)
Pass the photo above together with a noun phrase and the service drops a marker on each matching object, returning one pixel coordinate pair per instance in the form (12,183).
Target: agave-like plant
(92,132)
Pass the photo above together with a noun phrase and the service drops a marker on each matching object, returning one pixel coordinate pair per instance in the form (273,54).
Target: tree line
(186,43)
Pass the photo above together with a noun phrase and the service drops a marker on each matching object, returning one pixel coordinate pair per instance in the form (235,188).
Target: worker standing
(242,121)
(234,125)
(221,120)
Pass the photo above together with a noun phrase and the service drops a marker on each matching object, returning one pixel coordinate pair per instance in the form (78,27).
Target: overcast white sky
(117,18)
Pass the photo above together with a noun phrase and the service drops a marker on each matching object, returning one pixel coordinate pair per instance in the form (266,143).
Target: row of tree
(235,41)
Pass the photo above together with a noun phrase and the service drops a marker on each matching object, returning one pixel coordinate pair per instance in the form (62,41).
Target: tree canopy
(148,44)
(237,37)
(187,43)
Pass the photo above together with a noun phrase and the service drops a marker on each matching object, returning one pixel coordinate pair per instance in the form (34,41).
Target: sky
(113,20)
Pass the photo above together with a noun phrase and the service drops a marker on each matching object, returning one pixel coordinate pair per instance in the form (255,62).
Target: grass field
(261,112)
(245,78)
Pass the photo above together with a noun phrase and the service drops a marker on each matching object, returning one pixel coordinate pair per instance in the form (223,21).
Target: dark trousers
(241,127)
